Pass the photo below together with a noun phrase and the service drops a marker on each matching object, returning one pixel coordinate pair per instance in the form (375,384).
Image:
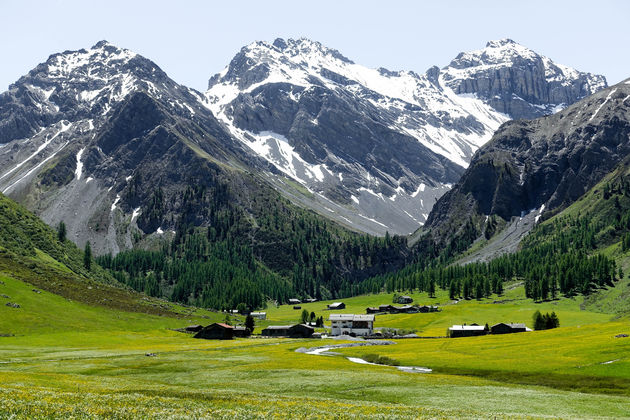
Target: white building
(351,324)
(259,315)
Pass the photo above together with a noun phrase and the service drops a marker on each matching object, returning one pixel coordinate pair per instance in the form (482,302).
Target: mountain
(90,136)
(103,140)
(517,81)
(375,148)
(535,167)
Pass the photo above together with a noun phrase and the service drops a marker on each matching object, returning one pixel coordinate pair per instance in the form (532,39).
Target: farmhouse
(351,324)
(259,315)
(292,331)
(216,331)
(502,328)
(424,309)
(405,299)
(337,305)
(466,331)
(294,301)
(372,310)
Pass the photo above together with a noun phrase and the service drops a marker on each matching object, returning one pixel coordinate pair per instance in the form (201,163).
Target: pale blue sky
(192,40)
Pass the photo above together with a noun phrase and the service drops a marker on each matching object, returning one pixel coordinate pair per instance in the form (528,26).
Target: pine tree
(304,317)
(87,256)
(539,321)
(250,324)
(61,231)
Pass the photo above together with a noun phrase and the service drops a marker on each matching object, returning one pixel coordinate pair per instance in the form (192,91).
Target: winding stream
(325,351)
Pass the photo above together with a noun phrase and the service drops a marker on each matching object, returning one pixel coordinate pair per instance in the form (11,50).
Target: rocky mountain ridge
(378,147)
(537,166)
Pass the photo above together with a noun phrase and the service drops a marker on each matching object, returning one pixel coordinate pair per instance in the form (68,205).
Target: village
(340,325)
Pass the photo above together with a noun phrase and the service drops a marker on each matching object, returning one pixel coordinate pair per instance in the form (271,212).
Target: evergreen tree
(250,324)
(539,321)
(61,231)
(304,317)
(87,256)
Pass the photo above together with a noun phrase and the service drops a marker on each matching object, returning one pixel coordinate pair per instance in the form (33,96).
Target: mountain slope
(537,166)
(375,146)
(32,254)
(90,136)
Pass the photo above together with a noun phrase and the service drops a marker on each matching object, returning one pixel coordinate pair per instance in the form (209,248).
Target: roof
(467,327)
(336,304)
(510,325)
(239,328)
(221,324)
(258,313)
(351,317)
(404,297)
(278,327)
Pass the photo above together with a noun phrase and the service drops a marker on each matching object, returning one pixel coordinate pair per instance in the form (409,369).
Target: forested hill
(273,250)
(32,252)
(580,250)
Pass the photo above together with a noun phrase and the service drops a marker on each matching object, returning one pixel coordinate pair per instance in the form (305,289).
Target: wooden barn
(405,300)
(294,301)
(503,328)
(466,331)
(336,305)
(216,331)
(292,331)
(241,332)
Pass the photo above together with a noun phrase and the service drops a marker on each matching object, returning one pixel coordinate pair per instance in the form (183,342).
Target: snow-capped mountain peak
(330,123)
(517,81)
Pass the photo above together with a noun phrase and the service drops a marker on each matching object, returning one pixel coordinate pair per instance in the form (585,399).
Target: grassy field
(67,359)
(510,307)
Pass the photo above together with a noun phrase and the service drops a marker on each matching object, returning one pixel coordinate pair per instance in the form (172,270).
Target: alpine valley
(287,210)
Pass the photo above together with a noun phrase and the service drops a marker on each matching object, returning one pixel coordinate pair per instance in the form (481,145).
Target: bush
(381,360)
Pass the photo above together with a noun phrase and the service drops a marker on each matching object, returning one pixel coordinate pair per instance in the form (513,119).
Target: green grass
(71,359)
(513,307)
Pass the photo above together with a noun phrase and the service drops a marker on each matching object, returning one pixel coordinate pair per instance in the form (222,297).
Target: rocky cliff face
(545,164)
(375,148)
(517,81)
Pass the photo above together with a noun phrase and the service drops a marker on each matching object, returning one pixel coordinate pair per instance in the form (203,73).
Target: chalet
(292,331)
(408,309)
(259,315)
(404,300)
(502,328)
(372,310)
(241,332)
(425,309)
(466,331)
(351,324)
(336,305)
(385,308)
(310,300)
(216,331)
(294,301)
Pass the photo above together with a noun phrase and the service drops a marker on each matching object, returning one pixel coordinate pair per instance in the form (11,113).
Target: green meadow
(66,359)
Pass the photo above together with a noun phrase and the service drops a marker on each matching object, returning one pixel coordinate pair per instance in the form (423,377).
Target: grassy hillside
(31,254)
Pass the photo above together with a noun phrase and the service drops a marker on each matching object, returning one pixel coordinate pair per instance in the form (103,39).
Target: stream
(325,351)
